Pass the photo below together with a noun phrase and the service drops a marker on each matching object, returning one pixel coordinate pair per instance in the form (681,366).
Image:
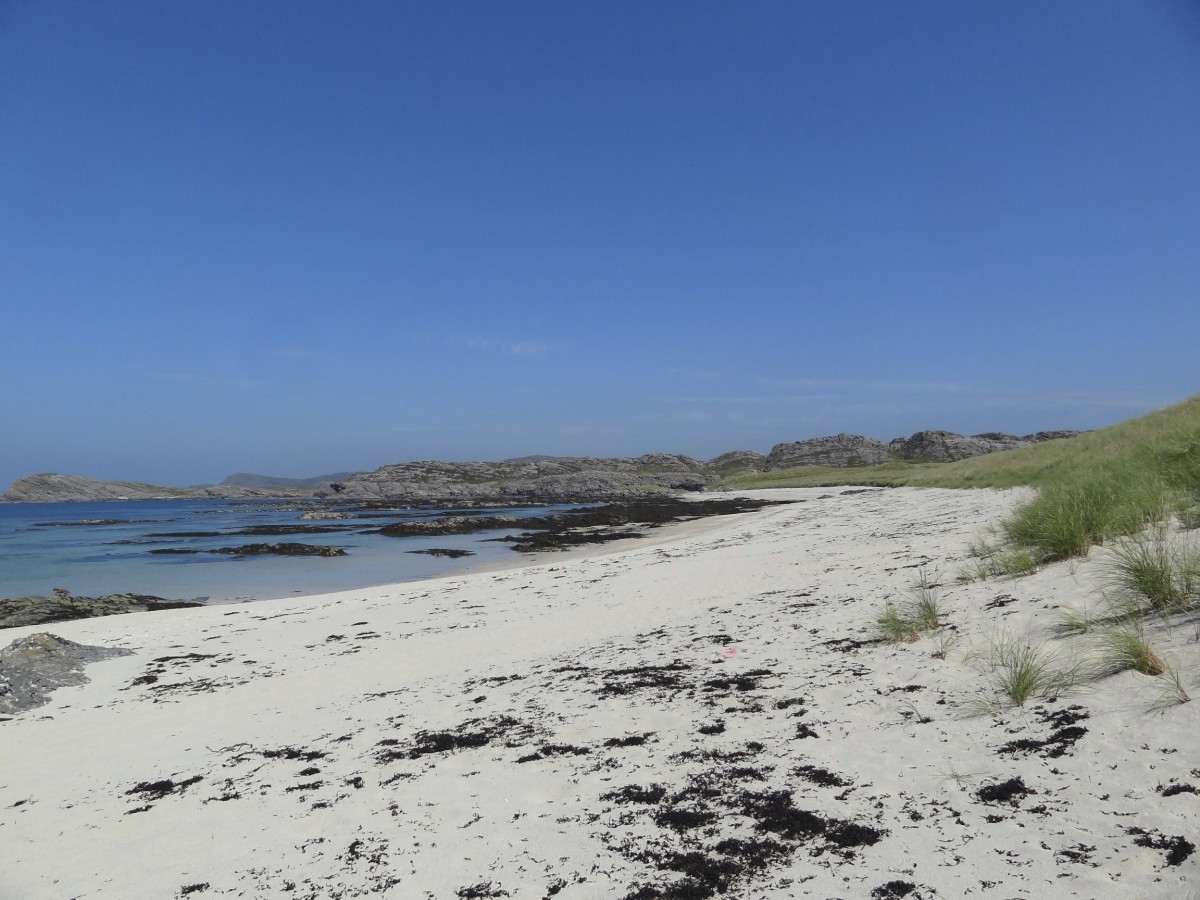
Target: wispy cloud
(489,344)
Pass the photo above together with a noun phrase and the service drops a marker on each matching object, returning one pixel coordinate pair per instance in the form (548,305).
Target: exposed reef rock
(590,525)
(34,666)
(40,610)
(291,548)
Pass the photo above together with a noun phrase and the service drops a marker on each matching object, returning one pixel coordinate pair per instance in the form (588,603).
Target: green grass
(1123,647)
(903,623)
(1019,671)
(1092,488)
(1150,569)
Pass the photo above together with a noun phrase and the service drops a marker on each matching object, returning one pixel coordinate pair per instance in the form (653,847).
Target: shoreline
(707,712)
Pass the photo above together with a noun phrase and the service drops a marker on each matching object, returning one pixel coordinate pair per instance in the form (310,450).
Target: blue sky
(302,237)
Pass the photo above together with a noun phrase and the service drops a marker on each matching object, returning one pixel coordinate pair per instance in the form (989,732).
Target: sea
(93,549)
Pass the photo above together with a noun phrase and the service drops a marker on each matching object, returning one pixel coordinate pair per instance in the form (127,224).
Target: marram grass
(1092,488)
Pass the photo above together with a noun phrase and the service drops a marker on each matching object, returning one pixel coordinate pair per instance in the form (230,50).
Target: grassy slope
(1092,488)
(1138,445)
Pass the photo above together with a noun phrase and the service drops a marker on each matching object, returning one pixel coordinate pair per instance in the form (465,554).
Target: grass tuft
(903,623)
(1150,569)
(1174,689)
(1019,671)
(1123,647)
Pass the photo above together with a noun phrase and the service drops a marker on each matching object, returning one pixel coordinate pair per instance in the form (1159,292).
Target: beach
(705,711)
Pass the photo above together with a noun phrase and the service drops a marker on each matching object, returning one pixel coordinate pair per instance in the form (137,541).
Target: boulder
(32,667)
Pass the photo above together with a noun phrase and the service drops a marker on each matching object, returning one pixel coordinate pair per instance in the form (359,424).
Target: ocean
(92,549)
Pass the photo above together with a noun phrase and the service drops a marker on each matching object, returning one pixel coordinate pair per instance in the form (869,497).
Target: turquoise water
(43,546)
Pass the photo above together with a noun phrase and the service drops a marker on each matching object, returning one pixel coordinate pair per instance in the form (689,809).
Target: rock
(737,462)
(443,551)
(946,446)
(325,514)
(271,482)
(41,610)
(837,451)
(447,525)
(52,488)
(525,480)
(34,666)
(536,479)
(285,549)
(1038,437)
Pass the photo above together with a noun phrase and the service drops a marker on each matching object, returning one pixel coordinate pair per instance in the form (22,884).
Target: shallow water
(43,546)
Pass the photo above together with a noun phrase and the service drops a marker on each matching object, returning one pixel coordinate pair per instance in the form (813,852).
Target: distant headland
(539,478)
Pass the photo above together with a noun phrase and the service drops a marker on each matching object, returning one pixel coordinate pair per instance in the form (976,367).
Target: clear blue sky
(301,237)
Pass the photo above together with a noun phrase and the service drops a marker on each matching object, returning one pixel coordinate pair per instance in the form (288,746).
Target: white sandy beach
(702,712)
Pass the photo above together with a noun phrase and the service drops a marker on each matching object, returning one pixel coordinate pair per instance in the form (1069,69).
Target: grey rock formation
(541,479)
(946,446)
(48,488)
(537,479)
(32,667)
(271,482)
(737,462)
(51,488)
(837,451)
(17,611)
(1039,436)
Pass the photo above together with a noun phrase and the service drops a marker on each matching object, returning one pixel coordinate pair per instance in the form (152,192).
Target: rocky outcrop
(538,479)
(838,451)
(40,610)
(849,450)
(737,462)
(34,666)
(541,479)
(946,446)
(272,482)
(51,488)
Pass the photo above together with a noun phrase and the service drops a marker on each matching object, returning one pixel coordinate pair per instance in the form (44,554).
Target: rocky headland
(541,479)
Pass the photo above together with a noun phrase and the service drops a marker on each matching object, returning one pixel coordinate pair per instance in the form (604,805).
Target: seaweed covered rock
(37,610)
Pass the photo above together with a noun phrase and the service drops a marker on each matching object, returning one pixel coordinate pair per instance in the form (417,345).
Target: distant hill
(248,480)
(551,478)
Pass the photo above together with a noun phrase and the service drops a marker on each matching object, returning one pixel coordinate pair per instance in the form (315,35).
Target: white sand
(305,720)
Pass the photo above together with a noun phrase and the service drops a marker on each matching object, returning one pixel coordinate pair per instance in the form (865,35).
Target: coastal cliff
(540,479)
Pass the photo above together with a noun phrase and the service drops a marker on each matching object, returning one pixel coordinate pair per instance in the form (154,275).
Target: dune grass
(1092,488)
(903,623)
(1149,569)
(1123,647)
(1019,671)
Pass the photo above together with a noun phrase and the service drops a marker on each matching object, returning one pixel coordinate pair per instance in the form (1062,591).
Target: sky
(297,238)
